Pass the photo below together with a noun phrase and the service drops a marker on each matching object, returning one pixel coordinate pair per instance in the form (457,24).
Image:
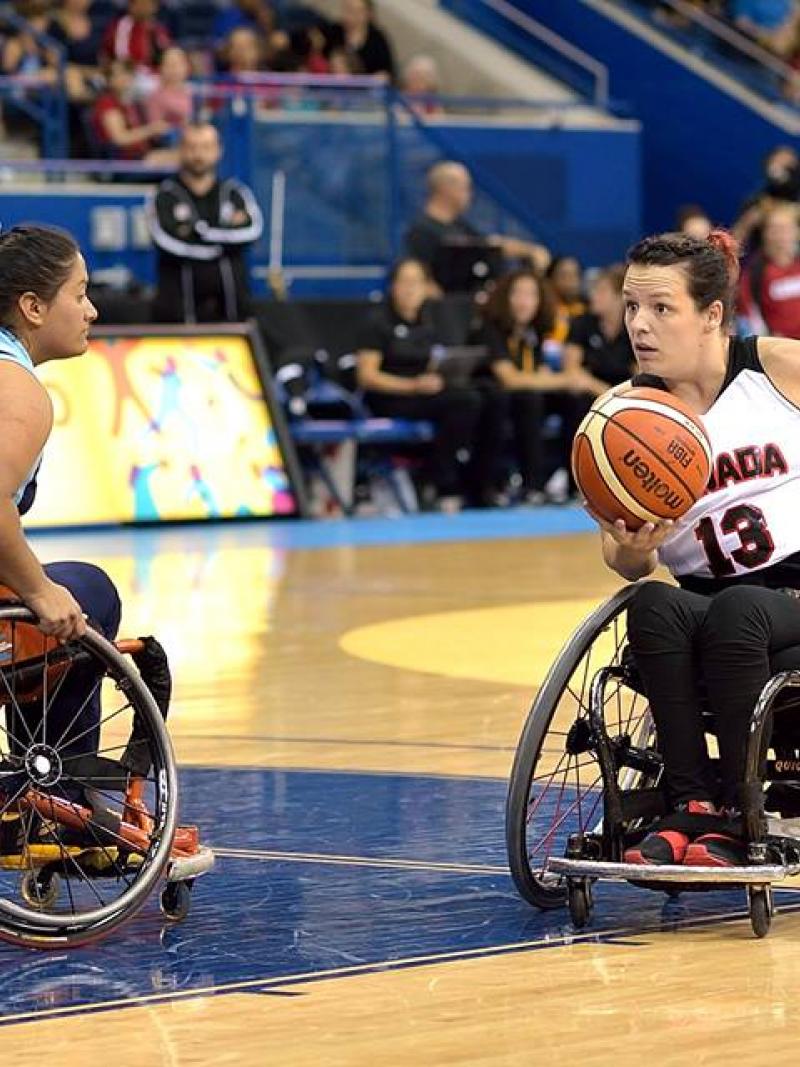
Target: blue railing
(45,104)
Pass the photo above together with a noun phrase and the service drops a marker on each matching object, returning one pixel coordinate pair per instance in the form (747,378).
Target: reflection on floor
(324,874)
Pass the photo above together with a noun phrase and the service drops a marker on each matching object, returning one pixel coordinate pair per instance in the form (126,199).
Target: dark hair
(497,308)
(33,259)
(556,262)
(391,277)
(711,266)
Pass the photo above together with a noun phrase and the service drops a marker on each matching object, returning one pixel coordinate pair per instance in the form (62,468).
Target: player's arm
(372,378)
(26,416)
(633,554)
(780,358)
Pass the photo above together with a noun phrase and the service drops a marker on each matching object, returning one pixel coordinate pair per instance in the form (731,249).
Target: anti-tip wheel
(760,901)
(40,889)
(579,898)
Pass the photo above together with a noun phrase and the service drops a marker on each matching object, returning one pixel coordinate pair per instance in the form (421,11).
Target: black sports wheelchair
(586,780)
(86,836)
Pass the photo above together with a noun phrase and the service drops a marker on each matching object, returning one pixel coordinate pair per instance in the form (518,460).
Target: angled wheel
(556,786)
(87,813)
(761,909)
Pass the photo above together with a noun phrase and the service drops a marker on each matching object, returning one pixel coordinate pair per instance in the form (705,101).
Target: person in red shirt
(120,124)
(769,291)
(137,36)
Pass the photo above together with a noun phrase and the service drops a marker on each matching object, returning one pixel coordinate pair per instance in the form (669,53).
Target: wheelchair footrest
(636,872)
(183,868)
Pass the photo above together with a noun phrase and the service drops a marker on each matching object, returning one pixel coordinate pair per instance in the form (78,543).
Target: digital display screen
(150,428)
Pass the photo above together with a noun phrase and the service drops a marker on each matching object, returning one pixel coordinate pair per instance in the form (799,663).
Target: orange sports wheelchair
(86,837)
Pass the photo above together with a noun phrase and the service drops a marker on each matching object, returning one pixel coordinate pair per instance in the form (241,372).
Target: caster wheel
(579,898)
(40,889)
(176,900)
(760,901)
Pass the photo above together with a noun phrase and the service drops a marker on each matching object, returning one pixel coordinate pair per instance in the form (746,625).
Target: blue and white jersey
(12,350)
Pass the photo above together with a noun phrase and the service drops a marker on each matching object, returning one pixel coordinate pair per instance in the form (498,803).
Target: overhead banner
(151,428)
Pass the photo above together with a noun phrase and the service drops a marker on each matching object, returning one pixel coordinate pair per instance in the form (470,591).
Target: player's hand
(646,539)
(57,611)
(428,384)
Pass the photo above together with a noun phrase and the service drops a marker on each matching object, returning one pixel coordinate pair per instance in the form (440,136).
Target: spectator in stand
(781,184)
(23,53)
(517,318)
(598,349)
(258,18)
(442,225)
(120,124)
(769,289)
(394,368)
(420,81)
(73,28)
(201,227)
(692,219)
(773,23)
(565,278)
(242,53)
(358,35)
(171,102)
(137,36)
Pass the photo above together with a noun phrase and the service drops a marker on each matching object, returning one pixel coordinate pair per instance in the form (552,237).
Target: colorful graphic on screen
(159,428)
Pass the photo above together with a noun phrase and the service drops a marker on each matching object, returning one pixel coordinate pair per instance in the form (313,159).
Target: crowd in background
(134,70)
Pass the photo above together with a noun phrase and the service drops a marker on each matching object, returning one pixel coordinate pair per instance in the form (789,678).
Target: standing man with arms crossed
(201,226)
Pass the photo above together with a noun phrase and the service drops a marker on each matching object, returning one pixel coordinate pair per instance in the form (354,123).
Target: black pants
(467,421)
(725,646)
(529,409)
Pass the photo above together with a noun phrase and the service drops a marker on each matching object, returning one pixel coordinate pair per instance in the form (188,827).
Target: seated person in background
(24,53)
(357,34)
(242,52)
(394,359)
(72,27)
(171,101)
(781,184)
(442,223)
(119,121)
(516,318)
(769,286)
(692,219)
(420,81)
(598,344)
(137,36)
(565,280)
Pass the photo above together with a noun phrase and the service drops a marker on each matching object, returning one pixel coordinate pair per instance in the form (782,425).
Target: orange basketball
(641,455)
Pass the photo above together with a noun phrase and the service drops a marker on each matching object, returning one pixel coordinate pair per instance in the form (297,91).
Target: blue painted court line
(478,525)
(258,924)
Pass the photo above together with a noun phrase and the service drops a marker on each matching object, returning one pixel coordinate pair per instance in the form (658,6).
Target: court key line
(256,985)
(358,861)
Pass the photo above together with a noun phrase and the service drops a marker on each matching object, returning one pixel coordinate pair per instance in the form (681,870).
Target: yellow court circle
(513,644)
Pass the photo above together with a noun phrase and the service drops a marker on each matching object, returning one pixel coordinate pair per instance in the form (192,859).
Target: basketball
(641,455)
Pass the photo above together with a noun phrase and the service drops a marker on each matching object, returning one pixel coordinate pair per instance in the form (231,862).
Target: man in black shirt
(441,230)
(201,227)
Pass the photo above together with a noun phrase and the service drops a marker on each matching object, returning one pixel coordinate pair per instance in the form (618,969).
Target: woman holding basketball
(45,314)
(725,628)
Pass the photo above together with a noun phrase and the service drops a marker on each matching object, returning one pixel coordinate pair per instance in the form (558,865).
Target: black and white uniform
(730,625)
(202,273)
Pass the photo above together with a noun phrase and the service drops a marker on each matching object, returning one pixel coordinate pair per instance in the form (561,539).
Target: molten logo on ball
(652,484)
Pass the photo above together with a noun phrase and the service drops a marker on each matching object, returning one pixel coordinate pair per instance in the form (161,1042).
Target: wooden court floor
(348,700)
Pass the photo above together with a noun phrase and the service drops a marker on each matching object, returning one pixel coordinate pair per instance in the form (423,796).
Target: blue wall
(698,143)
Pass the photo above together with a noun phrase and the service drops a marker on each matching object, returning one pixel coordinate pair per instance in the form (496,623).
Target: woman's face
(174,66)
(604,298)
(666,328)
(523,301)
(64,327)
(567,280)
(409,288)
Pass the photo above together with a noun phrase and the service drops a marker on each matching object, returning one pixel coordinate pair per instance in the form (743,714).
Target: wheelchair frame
(125,840)
(595,853)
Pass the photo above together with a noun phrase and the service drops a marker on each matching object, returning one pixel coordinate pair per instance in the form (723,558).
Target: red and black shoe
(716,850)
(669,844)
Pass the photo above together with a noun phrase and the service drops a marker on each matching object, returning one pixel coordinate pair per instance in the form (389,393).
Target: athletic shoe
(716,850)
(670,844)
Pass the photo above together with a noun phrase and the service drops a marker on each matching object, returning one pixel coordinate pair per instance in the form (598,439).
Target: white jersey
(747,524)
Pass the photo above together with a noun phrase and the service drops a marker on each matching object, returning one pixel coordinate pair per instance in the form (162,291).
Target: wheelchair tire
(107,877)
(761,909)
(539,888)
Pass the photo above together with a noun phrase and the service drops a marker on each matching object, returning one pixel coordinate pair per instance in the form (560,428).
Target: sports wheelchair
(586,780)
(86,836)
